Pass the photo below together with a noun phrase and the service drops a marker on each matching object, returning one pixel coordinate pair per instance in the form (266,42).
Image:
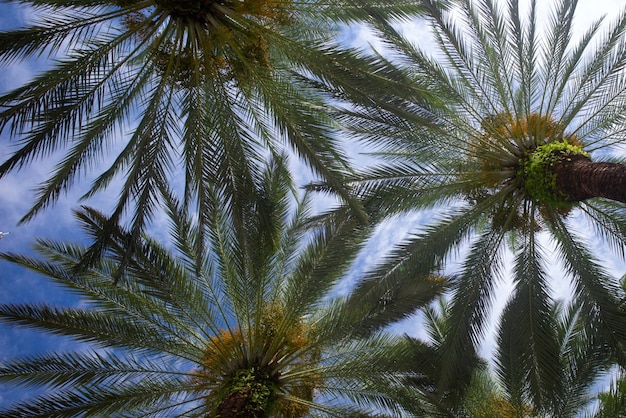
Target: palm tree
(244,326)
(506,172)
(479,394)
(568,389)
(485,399)
(501,389)
(210,87)
(471,384)
(612,402)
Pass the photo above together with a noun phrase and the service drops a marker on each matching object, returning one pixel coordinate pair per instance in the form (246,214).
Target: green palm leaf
(246,319)
(499,168)
(214,89)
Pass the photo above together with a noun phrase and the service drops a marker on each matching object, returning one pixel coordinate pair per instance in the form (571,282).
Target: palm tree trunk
(240,405)
(249,394)
(579,178)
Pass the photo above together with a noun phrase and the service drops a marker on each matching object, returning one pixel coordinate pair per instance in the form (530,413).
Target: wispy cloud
(16,196)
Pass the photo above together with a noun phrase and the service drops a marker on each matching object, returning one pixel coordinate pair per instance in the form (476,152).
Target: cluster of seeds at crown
(507,139)
(257,381)
(524,149)
(229,48)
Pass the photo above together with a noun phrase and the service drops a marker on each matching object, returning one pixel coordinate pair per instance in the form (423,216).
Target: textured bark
(240,405)
(579,178)
(249,395)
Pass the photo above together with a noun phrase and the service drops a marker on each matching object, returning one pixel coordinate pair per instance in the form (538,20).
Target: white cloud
(16,196)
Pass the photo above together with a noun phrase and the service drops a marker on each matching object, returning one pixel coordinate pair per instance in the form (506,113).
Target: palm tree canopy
(500,389)
(613,401)
(583,359)
(243,325)
(526,98)
(210,87)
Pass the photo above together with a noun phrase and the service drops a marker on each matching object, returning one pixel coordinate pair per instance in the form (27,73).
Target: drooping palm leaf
(148,90)
(522,94)
(245,318)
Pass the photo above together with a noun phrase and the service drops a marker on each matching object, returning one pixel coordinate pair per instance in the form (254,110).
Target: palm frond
(608,222)
(533,347)
(593,285)
(135,398)
(471,302)
(80,369)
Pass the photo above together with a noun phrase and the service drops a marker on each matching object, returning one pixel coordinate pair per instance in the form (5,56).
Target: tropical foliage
(189,95)
(583,359)
(474,388)
(613,401)
(527,102)
(236,316)
(244,325)
(499,389)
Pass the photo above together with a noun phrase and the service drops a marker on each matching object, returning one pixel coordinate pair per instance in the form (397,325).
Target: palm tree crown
(209,86)
(244,326)
(528,145)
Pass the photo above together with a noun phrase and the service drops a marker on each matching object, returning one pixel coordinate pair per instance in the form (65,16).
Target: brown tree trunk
(240,405)
(579,178)
(249,394)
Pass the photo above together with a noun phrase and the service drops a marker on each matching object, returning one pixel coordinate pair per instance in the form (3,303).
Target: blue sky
(18,285)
